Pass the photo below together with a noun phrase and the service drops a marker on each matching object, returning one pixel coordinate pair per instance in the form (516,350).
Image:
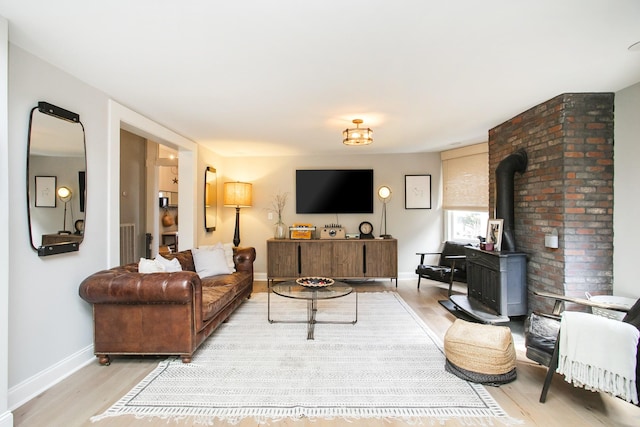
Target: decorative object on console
(301,231)
(79,226)
(333,231)
(417,191)
(277,205)
(237,195)
(494,235)
(366,230)
(357,135)
(384,194)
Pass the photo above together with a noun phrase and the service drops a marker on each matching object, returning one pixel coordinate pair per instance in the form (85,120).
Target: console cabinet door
(315,258)
(282,259)
(348,259)
(381,258)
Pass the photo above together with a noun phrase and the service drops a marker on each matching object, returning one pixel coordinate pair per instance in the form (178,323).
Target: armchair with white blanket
(591,351)
(599,354)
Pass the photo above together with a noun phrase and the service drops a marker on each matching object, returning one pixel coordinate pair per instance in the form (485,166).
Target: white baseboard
(31,387)
(6,419)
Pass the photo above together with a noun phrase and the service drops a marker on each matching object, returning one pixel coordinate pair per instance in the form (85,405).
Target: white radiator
(127,244)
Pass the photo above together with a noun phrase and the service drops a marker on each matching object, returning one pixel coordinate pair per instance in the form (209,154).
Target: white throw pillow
(228,253)
(149,266)
(170,266)
(210,262)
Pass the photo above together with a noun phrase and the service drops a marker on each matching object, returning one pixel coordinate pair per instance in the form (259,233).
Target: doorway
(122,118)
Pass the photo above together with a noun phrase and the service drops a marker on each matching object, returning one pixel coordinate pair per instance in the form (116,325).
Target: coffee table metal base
(312,310)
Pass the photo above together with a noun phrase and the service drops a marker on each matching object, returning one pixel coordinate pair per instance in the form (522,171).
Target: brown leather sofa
(163,313)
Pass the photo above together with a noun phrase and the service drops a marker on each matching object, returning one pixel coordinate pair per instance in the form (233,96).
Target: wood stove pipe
(505,172)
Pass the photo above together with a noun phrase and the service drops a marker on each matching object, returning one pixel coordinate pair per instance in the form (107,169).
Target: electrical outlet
(270,216)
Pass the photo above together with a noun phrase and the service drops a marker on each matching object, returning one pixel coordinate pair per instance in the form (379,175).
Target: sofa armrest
(121,287)
(243,258)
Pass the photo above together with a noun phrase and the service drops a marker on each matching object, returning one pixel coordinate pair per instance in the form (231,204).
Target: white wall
(50,330)
(416,229)
(626,202)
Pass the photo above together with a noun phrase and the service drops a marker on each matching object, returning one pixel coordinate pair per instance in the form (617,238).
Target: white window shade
(465,177)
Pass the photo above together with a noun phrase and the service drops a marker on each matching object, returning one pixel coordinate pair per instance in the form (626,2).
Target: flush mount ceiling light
(357,135)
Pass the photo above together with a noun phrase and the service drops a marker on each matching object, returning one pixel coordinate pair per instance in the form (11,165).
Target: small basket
(610,299)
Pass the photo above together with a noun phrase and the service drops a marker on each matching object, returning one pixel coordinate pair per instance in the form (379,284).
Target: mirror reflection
(210,202)
(56,185)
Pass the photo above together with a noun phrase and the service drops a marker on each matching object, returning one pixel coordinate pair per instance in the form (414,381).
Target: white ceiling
(285,77)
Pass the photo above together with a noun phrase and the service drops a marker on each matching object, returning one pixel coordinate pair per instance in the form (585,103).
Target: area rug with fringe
(388,365)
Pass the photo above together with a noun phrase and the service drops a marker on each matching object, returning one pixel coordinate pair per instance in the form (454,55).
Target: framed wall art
(494,233)
(417,191)
(45,192)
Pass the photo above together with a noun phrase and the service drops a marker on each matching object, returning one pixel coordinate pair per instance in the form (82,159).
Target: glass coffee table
(312,296)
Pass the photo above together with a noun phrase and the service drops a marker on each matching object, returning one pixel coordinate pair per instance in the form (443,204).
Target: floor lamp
(384,194)
(64,194)
(237,195)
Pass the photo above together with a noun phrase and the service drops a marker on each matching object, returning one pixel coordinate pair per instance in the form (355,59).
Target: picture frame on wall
(45,192)
(494,233)
(417,191)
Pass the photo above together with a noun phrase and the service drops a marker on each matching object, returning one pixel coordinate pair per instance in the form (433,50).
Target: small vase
(280,230)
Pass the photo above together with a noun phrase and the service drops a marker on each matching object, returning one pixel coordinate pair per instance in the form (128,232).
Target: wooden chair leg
(553,365)
(419,277)
(453,268)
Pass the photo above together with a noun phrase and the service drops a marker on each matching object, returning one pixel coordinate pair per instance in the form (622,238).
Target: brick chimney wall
(568,186)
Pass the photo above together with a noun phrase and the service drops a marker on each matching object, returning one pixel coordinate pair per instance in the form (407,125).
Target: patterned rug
(388,365)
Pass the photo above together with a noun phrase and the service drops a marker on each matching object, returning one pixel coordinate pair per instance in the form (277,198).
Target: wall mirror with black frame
(56,180)
(210,199)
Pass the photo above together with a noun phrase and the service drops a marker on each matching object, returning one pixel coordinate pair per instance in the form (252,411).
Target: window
(465,226)
(465,177)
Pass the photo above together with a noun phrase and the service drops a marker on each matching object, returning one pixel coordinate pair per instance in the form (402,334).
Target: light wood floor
(94,388)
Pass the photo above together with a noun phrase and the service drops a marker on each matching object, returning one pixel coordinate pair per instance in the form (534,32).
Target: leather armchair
(542,333)
(451,264)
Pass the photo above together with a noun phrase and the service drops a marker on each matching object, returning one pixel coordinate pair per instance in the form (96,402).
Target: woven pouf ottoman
(480,353)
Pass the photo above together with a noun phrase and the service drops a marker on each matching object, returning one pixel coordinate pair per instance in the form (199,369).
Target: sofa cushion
(215,298)
(210,262)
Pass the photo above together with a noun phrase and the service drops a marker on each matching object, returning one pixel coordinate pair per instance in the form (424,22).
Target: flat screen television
(334,191)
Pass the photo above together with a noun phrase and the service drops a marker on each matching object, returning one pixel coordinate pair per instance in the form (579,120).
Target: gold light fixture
(237,195)
(357,135)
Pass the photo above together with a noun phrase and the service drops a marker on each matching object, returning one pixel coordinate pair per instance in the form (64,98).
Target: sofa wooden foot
(186,359)
(104,359)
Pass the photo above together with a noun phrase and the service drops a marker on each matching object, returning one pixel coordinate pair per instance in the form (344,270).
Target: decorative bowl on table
(315,282)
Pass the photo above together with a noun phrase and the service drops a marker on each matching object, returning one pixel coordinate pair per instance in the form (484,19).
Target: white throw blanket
(599,354)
